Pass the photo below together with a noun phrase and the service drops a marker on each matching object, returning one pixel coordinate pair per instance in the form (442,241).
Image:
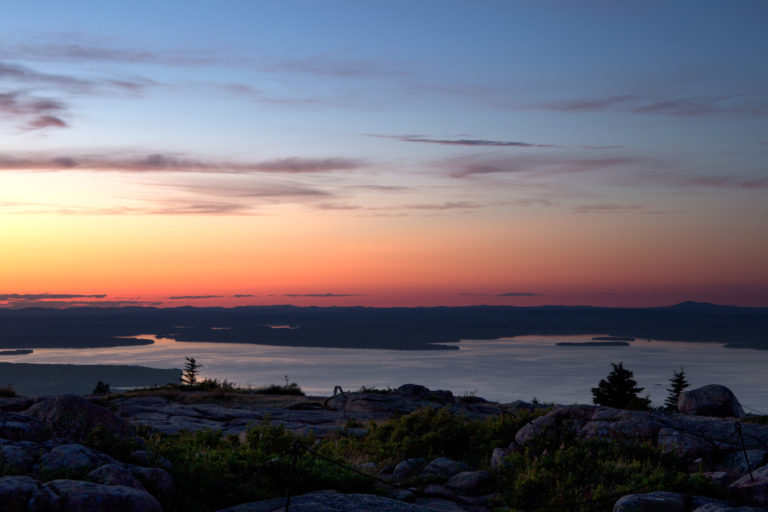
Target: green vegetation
(427,433)
(590,475)
(221,388)
(619,389)
(213,471)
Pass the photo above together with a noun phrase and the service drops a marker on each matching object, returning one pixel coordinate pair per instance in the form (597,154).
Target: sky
(399,153)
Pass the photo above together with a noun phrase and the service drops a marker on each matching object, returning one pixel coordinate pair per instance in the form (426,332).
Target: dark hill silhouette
(424,328)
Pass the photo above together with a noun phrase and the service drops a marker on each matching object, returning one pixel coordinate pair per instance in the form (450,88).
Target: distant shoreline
(55,379)
(592,343)
(426,328)
(19,352)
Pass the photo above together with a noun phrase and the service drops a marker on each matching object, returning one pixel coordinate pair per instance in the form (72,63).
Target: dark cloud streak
(463,142)
(174,163)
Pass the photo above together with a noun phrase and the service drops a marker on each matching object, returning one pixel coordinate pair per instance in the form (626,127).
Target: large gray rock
(25,494)
(683,444)
(115,474)
(444,467)
(16,403)
(589,421)
(711,400)
(19,457)
(687,435)
(18,427)
(148,459)
(736,465)
(72,460)
(330,502)
(471,483)
(73,417)
(77,496)
(157,481)
(651,502)
(408,469)
(753,488)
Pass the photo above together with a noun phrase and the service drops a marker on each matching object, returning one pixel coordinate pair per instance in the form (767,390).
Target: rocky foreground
(50,457)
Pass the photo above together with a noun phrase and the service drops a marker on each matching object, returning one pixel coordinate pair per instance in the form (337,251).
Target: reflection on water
(506,369)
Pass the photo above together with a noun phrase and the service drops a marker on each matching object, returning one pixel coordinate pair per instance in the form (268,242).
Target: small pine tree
(619,389)
(191,369)
(102,388)
(678,385)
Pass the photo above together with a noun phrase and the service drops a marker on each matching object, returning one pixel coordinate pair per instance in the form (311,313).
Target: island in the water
(592,343)
(19,352)
(55,379)
(422,328)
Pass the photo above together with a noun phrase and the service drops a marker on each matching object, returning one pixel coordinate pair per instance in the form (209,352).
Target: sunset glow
(383,154)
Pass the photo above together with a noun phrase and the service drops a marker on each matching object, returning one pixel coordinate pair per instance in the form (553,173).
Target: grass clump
(589,475)
(213,471)
(427,433)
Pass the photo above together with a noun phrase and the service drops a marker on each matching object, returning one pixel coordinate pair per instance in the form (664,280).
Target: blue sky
(637,119)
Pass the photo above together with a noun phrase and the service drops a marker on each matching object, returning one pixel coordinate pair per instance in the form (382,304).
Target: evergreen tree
(191,369)
(678,385)
(619,389)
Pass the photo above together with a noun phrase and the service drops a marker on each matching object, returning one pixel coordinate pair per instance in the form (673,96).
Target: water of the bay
(506,369)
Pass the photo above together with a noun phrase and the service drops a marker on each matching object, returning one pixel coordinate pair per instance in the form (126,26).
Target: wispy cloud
(380,188)
(751,104)
(194,297)
(607,208)
(519,294)
(46,122)
(463,142)
(22,86)
(321,295)
(47,296)
(747,182)
(34,112)
(173,163)
(474,166)
(83,51)
(469,294)
(448,205)
(66,300)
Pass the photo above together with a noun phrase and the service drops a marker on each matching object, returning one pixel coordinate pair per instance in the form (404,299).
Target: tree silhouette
(619,389)
(191,369)
(678,385)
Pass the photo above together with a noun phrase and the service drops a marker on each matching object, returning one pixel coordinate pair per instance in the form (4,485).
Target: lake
(505,369)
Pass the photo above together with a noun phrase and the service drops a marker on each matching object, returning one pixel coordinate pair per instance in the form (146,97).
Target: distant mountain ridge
(422,328)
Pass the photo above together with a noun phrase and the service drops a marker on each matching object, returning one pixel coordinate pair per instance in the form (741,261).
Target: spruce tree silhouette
(619,389)
(678,385)
(191,369)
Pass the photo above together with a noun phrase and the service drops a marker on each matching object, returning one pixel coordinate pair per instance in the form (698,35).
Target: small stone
(651,502)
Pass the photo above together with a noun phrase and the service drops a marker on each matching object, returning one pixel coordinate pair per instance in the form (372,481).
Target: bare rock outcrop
(710,400)
(73,417)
